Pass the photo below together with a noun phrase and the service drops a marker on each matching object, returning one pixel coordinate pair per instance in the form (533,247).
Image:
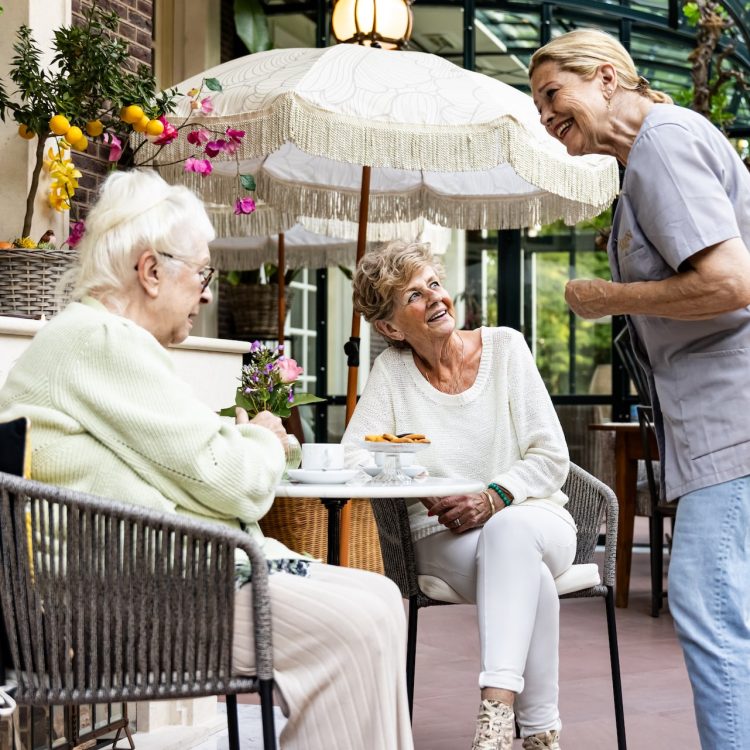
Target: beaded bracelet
(501,492)
(488,495)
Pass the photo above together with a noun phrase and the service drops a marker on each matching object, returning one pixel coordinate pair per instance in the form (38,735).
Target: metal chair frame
(659,511)
(105,602)
(591,503)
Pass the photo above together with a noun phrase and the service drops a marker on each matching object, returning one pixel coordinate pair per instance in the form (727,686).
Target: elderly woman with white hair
(111,416)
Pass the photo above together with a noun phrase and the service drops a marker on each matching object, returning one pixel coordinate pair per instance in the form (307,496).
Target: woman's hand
(264,419)
(470,511)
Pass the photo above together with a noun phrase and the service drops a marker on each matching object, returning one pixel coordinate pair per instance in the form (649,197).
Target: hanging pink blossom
(216,147)
(235,136)
(77,228)
(198,137)
(115,146)
(207,106)
(169,134)
(199,166)
(244,206)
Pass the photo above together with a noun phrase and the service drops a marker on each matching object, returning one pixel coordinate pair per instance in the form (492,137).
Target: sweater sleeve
(543,466)
(124,390)
(374,414)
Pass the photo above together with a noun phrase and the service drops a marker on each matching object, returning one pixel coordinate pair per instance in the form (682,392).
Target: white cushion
(575,578)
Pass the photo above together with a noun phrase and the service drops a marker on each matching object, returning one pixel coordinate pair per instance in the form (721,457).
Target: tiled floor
(658,708)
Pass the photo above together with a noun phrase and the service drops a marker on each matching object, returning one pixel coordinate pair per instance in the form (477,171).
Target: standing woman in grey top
(681,271)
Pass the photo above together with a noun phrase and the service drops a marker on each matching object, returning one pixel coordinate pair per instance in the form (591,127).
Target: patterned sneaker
(543,741)
(496,726)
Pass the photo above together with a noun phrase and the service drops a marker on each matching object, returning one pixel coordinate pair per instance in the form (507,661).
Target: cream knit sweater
(111,416)
(503,429)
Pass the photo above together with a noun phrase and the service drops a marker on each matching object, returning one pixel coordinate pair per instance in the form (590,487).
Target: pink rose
(288,369)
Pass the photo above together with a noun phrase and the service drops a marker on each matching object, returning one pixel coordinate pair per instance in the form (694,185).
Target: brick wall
(136,28)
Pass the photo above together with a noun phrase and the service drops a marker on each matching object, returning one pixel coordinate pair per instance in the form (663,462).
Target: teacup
(322,456)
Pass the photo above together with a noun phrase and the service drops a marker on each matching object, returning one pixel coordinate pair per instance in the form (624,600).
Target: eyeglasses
(206,273)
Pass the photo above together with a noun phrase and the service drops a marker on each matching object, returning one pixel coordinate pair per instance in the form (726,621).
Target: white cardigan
(503,429)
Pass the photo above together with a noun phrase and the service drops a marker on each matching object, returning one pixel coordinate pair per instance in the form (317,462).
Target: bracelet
(501,492)
(487,494)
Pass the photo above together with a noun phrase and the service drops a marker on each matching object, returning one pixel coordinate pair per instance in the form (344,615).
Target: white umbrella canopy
(420,118)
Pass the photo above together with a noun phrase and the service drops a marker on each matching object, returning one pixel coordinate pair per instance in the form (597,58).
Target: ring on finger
(456,523)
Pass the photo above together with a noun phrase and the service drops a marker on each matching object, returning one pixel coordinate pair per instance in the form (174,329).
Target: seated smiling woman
(111,416)
(479,398)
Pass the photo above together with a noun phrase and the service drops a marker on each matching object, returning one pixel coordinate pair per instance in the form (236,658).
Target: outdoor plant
(711,76)
(88,93)
(267,383)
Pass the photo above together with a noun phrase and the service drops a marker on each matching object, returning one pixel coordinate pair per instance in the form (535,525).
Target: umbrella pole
(282,287)
(352,352)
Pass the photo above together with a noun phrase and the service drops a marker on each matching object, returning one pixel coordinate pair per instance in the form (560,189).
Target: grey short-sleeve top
(686,189)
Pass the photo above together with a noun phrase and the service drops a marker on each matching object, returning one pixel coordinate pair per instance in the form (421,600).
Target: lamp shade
(375,23)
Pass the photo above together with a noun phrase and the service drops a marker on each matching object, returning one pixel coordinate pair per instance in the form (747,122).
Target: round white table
(335,497)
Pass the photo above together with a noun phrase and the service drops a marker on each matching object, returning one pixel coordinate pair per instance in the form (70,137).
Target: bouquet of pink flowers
(267,384)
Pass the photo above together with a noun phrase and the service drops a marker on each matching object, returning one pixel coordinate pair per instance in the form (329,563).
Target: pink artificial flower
(198,137)
(77,228)
(235,136)
(199,166)
(216,147)
(244,206)
(169,134)
(115,146)
(288,370)
(207,106)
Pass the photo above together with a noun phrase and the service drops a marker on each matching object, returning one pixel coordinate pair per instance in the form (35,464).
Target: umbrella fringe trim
(245,259)
(263,222)
(413,146)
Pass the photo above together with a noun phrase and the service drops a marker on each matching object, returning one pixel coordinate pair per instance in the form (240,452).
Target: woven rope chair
(591,503)
(105,602)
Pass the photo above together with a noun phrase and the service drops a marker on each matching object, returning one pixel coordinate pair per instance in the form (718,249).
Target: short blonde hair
(384,272)
(584,50)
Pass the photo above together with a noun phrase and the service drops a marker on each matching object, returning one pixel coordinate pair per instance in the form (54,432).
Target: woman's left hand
(459,513)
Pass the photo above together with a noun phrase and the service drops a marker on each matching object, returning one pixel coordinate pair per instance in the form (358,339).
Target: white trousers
(339,647)
(508,568)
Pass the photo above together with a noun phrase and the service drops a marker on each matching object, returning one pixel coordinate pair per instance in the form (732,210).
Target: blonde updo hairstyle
(135,211)
(386,271)
(584,50)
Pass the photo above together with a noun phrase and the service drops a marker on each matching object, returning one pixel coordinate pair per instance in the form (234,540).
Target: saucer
(334,476)
(411,471)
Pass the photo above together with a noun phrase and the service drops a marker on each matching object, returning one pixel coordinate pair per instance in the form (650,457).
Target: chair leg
(233,728)
(614,659)
(266,712)
(411,652)
(656,533)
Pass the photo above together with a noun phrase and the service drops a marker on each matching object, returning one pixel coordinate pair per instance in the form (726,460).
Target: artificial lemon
(140,125)
(59,125)
(131,114)
(94,128)
(24,132)
(81,144)
(154,127)
(73,135)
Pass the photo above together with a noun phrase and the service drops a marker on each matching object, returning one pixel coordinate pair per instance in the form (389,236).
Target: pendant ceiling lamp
(374,23)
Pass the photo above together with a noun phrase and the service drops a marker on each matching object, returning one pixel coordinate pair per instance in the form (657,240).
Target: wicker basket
(29,280)
(301,524)
(255,309)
